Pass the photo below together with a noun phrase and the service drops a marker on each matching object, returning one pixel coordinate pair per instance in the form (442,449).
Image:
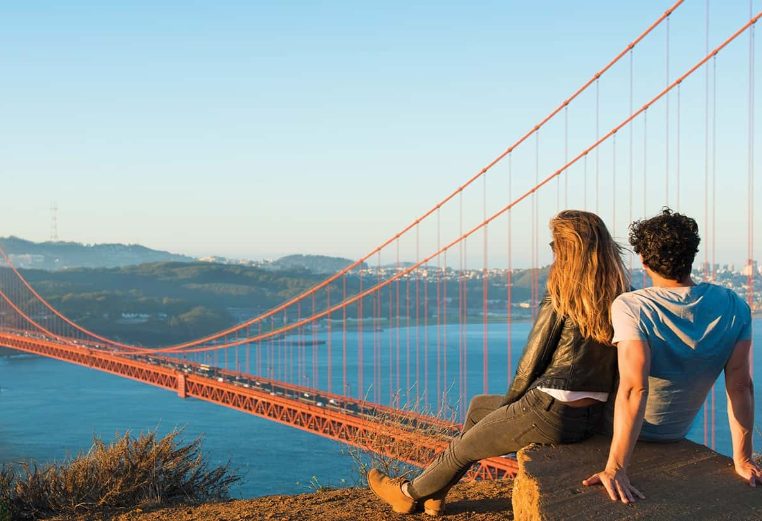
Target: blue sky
(256,129)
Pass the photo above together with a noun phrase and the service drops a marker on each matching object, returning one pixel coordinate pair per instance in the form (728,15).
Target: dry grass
(377,444)
(143,471)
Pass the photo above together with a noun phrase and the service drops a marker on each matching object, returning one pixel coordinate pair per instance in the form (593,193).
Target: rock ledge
(682,480)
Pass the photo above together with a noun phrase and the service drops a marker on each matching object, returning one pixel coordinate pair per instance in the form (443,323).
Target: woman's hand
(749,471)
(617,484)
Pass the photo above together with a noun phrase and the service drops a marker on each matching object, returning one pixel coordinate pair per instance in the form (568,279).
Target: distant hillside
(165,302)
(63,255)
(319,264)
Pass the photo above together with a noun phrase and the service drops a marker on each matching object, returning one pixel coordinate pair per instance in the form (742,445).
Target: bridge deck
(348,421)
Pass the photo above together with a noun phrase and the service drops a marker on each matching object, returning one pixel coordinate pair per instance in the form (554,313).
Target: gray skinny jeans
(492,430)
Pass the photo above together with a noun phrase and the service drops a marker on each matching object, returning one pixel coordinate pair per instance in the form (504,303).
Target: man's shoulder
(726,293)
(634,298)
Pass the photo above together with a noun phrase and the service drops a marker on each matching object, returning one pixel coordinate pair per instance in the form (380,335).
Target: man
(673,340)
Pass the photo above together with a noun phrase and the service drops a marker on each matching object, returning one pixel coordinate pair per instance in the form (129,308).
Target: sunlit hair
(587,274)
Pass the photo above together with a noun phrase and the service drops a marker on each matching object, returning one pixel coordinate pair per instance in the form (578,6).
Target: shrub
(143,471)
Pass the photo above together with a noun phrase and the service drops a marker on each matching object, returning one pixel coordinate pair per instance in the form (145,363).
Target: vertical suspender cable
(283,340)
(377,335)
(597,137)
(509,279)
(426,285)
(328,338)
(584,174)
(707,269)
(666,115)
(417,319)
(713,205)
(360,342)
(713,209)
(613,179)
(750,280)
(299,347)
(464,347)
(408,331)
(566,155)
(393,364)
(461,302)
(485,296)
(248,352)
(439,311)
(677,153)
(258,354)
(535,250)
(645,175)
(397,319)
(344,336)
(445,381)
(630,168)
(237,362)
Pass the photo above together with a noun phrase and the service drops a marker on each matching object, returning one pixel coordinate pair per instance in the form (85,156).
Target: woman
(564,376)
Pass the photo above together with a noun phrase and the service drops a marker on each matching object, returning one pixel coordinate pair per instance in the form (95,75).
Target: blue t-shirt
(691,332)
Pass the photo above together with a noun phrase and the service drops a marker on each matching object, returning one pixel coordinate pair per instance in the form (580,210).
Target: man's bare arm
(634,358)
(740,392)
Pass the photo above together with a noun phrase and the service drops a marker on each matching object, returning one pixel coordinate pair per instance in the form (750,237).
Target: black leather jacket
(558,357)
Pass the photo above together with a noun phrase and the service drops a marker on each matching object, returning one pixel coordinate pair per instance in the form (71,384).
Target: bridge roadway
(404,435)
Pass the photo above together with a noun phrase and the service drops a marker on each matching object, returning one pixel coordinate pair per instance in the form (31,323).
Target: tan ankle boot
(434,506)
(390,491)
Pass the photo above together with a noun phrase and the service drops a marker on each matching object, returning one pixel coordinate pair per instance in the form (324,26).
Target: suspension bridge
(364,356)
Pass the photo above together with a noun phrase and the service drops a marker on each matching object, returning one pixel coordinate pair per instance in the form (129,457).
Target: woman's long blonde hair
(587,274)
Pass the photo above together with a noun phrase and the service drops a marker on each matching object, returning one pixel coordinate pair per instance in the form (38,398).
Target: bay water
(50,410)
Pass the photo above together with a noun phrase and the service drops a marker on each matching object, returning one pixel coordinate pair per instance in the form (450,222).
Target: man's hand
(617,484)
(749,471)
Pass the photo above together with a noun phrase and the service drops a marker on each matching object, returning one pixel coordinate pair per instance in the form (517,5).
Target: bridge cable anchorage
(359,262)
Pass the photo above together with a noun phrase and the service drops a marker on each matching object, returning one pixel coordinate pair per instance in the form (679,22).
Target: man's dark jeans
(492,429)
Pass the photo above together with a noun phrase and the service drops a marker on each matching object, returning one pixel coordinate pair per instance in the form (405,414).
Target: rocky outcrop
(680,480)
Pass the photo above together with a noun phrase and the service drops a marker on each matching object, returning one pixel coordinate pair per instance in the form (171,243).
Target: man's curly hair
(668,243)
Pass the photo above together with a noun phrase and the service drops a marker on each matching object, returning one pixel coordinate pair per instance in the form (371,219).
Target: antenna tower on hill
(54,221)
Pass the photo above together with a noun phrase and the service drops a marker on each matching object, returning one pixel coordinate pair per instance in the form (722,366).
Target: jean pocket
(560,429)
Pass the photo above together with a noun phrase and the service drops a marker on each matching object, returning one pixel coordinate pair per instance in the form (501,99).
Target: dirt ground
(477,501)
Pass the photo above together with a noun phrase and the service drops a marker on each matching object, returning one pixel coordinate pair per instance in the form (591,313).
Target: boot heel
(434,507)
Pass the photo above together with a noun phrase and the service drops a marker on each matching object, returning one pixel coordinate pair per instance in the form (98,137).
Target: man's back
(691,332)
